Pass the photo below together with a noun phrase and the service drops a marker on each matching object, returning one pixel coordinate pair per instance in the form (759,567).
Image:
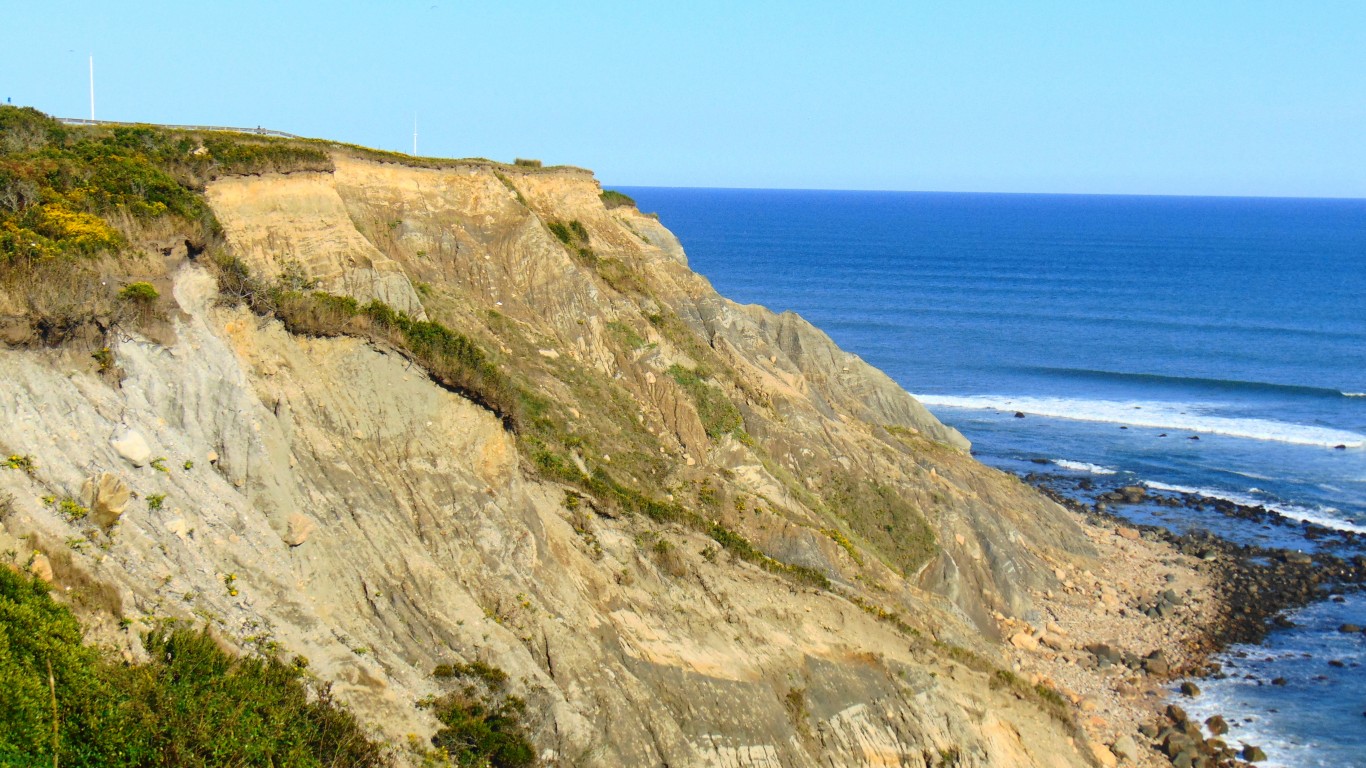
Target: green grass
(192,704)
(77,192)
(883,519)
(718,414)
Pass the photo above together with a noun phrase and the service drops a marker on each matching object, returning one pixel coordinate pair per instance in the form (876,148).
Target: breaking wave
(1186,417)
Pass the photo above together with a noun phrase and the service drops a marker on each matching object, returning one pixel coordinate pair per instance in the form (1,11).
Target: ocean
(1205,345)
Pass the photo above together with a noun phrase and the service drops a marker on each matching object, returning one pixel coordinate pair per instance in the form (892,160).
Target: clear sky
(1189,97)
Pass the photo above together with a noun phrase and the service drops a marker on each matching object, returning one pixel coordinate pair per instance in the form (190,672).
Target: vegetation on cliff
(190,704)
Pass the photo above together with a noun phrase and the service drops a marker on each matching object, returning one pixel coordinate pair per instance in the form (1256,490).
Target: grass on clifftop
(79,191)
(192,704)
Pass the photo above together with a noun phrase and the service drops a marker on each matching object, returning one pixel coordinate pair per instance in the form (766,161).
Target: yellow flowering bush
(75,230)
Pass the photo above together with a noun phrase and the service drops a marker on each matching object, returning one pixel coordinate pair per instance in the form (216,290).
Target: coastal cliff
(399,414)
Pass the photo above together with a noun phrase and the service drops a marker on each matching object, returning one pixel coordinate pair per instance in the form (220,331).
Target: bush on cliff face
(614,199)
(191,705)
(482,723)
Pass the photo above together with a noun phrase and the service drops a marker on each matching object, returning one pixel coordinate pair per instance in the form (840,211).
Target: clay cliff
(691,532)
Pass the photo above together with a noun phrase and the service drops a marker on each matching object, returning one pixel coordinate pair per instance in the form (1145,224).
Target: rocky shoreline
(1165,604)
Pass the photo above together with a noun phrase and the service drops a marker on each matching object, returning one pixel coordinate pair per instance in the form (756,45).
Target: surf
(1176,417)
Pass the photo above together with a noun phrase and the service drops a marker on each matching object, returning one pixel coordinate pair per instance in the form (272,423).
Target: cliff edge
(397,417)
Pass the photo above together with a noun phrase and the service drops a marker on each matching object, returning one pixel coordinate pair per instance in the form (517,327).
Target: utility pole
(92,87)
(414,134)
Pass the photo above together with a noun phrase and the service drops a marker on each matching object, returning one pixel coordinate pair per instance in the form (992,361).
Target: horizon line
(1341,198)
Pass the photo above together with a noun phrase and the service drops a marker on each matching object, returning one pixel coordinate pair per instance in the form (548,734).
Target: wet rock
(1216,725)
(1349,629)
(1190,689)
(1157,666)
(1133,494)
(1279,681)
(1019,415)
(1253,754)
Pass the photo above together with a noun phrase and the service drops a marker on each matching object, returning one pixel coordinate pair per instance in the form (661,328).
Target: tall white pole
(92,87)
(414,134)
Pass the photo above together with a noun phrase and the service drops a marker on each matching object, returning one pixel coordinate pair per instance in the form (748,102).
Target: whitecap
(1323,516)
(1082,466)
(1187,417)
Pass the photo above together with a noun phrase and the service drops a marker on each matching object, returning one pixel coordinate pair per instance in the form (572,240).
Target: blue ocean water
(1121,327)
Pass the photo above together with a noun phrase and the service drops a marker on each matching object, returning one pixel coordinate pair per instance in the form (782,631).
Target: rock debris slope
(823,591)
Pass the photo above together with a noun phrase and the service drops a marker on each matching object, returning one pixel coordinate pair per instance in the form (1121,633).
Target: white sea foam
(1182,417)
(1081,466)
(1248,725)
(1354,394)
(1323,516)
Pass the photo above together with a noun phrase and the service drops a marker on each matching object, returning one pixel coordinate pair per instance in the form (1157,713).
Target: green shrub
(481,723)
(561,232)
(142,293)
(614,199)
(71,509)
(526,162)
(22,462)
(192,705)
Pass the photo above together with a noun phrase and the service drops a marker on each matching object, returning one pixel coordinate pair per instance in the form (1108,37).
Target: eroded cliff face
(379,524)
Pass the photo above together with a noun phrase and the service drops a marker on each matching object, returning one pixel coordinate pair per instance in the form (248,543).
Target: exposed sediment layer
(380,524)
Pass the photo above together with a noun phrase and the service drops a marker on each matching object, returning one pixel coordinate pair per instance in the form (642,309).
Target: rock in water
(132,446)
(107,496)
(1253,754)
(1190,689)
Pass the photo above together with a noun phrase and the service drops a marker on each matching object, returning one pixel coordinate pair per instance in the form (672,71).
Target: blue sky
(1227,98)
